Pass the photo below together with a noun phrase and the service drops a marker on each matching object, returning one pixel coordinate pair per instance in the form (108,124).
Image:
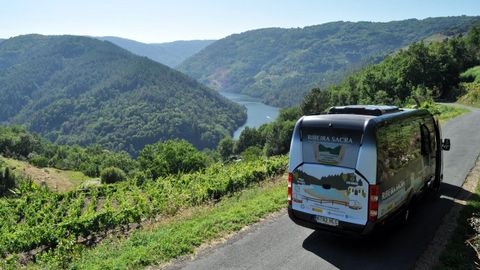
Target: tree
(249,137)
(226,147)
(251,153)
(279,137)
(7,180)
(289,114)
(315,101)
(112,175)
(170,157)
(120,160)
(473,44)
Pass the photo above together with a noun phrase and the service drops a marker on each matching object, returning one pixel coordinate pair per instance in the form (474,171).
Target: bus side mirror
(446,144)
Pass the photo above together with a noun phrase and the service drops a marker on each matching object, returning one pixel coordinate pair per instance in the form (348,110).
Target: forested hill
(80,90)
(281,65)
(169,53)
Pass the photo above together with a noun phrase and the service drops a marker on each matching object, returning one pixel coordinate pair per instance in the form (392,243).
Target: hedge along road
(280,244)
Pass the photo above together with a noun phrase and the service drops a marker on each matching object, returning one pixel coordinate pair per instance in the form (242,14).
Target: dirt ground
(54,179)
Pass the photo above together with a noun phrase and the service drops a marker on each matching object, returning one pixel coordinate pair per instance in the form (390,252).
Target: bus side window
(398,144)
(426,140)
(431,127)
(383,162)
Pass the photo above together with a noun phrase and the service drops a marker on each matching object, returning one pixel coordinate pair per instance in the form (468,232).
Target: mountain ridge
(167,53)
(80,90)
(281,64)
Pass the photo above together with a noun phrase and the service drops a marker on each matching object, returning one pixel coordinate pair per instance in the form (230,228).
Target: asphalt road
(280,244)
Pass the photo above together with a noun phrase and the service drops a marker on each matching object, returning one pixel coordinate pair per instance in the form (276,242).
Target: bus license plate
(326,220)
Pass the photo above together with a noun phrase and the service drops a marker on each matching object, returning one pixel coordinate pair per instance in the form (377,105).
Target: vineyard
(38,224)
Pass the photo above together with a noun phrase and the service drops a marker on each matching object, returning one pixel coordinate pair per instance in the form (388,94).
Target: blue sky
(161,21)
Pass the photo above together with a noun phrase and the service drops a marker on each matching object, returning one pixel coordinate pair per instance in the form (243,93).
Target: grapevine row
(41,218)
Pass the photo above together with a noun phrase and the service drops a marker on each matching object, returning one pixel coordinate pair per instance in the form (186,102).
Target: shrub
(111,175)
(90,169)
(225,147)
(249,137)
(471,94)
(39,161)
(278,137)
(7,180)
(170,157)
(252,153)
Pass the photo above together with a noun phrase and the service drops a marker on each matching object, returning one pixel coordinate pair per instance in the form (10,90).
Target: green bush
(39,161)
(471,94)
(90,169)
(16,142)
(278,138)
(171,157)
(252,153)
(7,180)
(249,137)
(225,147)
(471,75)
(112,175)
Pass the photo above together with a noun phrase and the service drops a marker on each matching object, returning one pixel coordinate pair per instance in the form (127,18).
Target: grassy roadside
(476,105)
(445,113)
(471,87)
(167,240)
(458,254)
(472,95)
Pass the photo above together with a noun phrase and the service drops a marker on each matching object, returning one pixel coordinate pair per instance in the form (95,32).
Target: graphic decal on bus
(331,146)
(329,155)
(331,192)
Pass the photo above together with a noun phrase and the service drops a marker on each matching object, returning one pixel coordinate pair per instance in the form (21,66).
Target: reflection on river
(258,113)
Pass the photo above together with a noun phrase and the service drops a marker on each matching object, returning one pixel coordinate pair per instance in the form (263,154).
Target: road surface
(280,244)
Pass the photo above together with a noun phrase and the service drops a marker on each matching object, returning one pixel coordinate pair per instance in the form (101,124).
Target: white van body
(359,165)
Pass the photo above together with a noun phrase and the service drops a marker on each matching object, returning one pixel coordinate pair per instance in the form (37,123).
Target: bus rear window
(338,147)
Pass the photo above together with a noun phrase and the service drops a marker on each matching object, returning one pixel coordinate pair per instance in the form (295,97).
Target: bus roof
(357,121)
(345,121)
(364,109)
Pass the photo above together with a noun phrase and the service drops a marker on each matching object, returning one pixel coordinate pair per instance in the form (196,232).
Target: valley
(110,158)
(281,65)
(258,113)
(169,53)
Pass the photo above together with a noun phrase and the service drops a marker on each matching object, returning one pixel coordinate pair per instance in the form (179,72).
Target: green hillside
(472,74)
(281,65)
(421,73)
(79,90)
(470,87)
(418,75)
(169,53)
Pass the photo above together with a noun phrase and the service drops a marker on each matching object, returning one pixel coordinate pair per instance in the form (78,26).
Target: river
(258,113)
